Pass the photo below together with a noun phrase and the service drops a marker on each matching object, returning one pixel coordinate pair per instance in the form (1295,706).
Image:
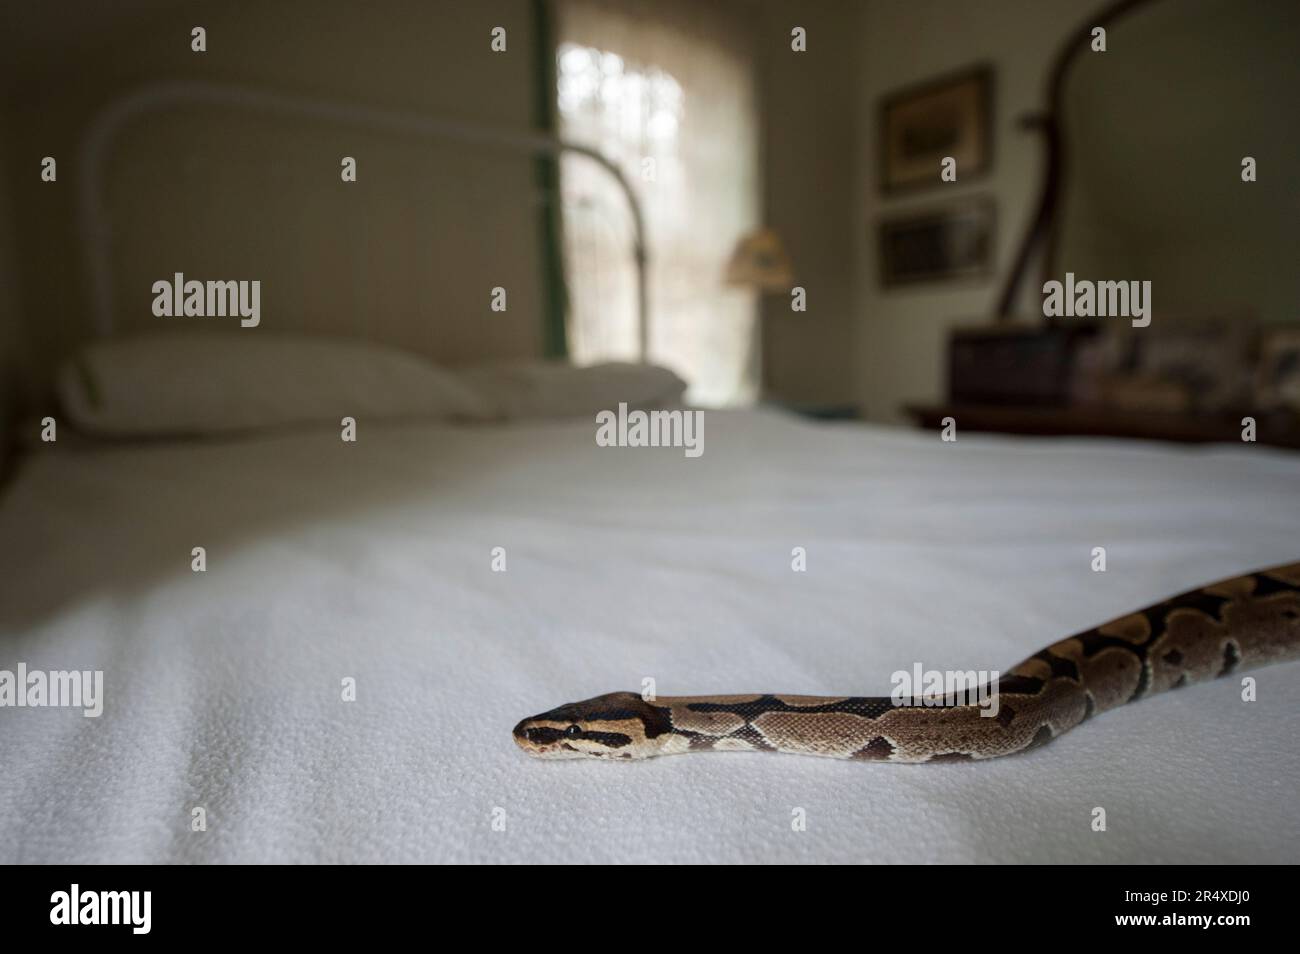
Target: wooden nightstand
(1277,431)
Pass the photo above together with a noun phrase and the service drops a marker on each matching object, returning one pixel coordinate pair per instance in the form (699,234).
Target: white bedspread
(373,561)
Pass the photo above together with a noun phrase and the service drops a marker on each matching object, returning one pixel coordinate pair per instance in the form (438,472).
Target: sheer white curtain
(666,88)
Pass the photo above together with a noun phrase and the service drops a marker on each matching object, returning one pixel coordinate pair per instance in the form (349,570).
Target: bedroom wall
(225,196)
(10,338)
(809,168)
(902,332)
(1210,244)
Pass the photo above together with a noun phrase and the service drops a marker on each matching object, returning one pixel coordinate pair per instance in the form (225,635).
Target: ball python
(1238,623)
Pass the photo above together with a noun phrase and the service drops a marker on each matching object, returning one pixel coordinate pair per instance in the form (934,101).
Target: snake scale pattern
(1235,624)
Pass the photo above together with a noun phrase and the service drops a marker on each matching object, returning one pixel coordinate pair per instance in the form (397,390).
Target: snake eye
(573,731)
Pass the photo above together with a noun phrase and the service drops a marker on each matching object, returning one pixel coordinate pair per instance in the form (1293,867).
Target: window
(667,92)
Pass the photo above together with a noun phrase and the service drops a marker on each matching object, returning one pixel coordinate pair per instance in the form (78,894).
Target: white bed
(328,560)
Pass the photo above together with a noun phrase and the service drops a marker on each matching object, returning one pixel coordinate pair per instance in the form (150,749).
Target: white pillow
(537,389)
(196,383)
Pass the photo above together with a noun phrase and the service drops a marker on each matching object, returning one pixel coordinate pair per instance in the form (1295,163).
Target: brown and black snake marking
(1240,623)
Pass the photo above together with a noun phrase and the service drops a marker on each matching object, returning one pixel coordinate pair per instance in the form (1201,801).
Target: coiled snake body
(1239,623)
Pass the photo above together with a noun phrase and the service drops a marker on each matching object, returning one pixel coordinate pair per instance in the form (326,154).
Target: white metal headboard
(100,134)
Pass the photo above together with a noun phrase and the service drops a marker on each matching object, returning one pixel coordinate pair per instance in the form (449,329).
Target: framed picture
(922,125)
(1277,384)
(942,244)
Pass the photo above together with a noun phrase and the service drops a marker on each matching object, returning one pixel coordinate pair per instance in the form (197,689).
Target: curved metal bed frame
(108,122)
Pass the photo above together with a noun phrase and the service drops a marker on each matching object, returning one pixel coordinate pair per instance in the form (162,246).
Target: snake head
(617,725)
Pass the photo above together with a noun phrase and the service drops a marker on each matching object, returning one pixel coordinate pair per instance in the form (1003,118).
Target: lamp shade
(759,261)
